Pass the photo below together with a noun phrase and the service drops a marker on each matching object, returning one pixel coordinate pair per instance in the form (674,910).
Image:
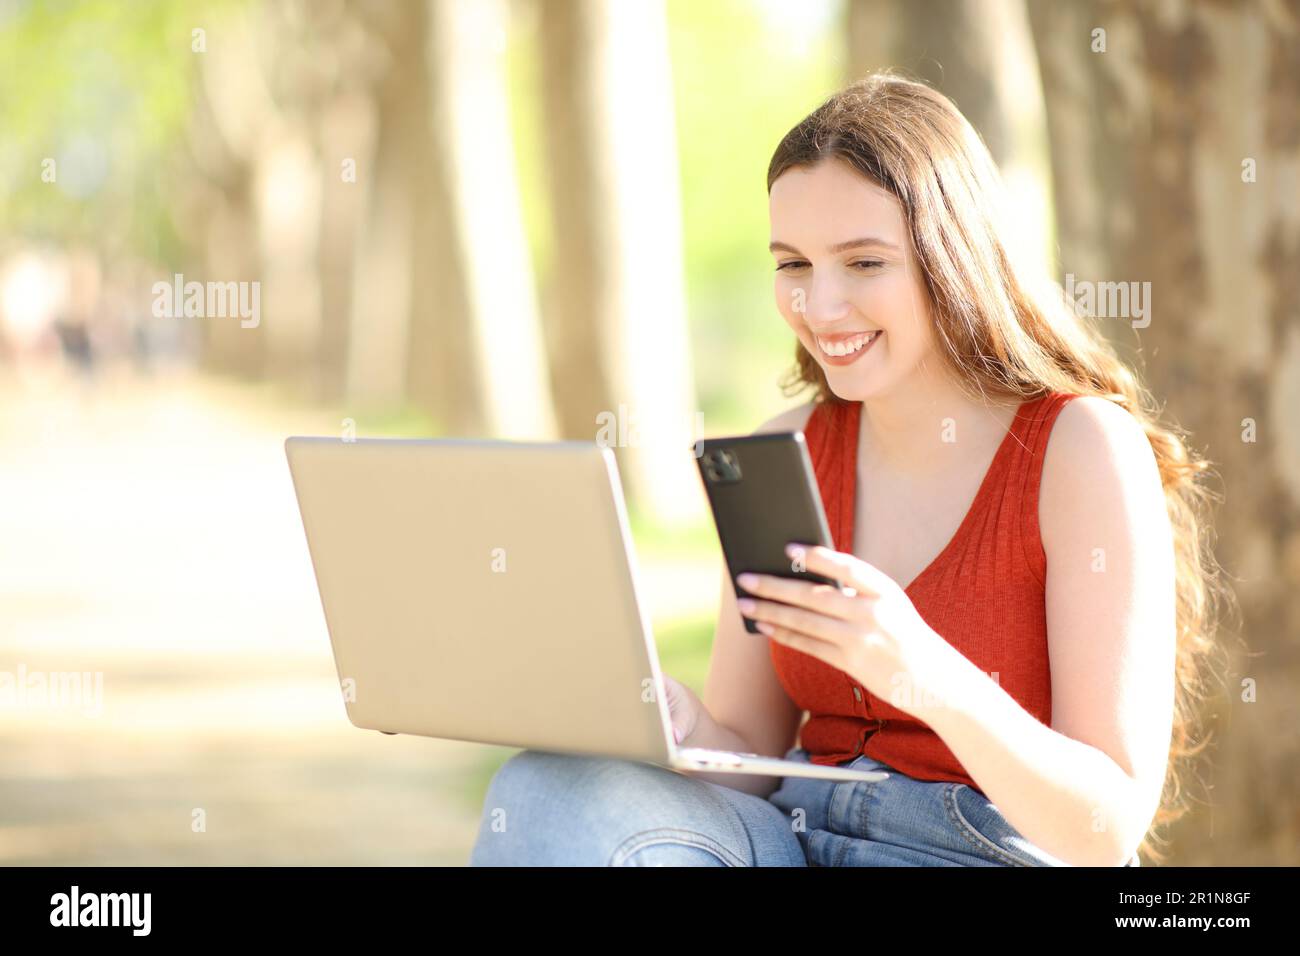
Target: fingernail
(677,734)
(746,604)
(746,579)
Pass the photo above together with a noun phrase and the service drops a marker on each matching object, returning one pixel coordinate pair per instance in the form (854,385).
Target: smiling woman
(914,319)
(1030,688)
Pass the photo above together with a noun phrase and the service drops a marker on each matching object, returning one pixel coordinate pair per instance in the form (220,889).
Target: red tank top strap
(1034,423)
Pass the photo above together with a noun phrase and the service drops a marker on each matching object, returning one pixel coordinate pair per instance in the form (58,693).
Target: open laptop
(485,590)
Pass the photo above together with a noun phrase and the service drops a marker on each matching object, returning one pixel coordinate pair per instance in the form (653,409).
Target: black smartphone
(763,495)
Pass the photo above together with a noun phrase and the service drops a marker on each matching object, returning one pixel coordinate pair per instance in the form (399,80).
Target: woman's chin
(851,388)
(852,384)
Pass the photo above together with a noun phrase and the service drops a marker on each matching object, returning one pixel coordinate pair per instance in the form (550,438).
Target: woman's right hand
(683,706)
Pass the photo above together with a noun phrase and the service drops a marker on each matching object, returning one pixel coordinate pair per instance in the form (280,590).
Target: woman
(1030,688)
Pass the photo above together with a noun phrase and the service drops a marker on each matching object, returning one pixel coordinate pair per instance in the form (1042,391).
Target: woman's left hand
(871,630)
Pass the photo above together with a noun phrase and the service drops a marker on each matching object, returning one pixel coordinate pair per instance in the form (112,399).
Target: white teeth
(848,346)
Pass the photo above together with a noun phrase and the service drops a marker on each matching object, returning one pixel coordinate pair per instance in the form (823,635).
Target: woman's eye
(862,265)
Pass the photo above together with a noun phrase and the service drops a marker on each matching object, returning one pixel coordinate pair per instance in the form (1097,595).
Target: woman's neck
(906,430)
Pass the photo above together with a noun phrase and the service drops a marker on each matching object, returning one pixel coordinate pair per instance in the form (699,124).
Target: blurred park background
(508,218)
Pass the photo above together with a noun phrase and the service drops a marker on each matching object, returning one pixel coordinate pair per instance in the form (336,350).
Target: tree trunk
(615,297)
(346,137)
(499,349)
(1156,141)
(978,53)
(232,106)
(953,45)
(396,195)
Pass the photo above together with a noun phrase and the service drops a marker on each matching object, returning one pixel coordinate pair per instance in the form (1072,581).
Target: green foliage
(104,89)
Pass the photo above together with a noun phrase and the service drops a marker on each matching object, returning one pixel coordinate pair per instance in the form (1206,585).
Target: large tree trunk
(498,335)
(615,298)
(953,45)
(978,53)
(1154,142)
(443,310)
(397,195)
(580,294)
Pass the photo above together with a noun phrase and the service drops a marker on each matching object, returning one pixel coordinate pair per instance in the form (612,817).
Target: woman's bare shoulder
(1098,461)
(792,419)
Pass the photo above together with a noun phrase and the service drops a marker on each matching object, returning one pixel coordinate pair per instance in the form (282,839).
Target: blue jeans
(553,809)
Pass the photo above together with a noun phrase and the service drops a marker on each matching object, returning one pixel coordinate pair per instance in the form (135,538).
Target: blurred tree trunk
(580,290)
(953,45)
(498,334)
(271,116)
(1176,152)
(399,262)
(288,178)
(346,137)
(978,53)
(230,109)
(319,78)
(442,312)
(615,297)
(265,113)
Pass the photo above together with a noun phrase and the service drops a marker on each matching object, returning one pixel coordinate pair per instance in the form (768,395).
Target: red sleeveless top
(984,594)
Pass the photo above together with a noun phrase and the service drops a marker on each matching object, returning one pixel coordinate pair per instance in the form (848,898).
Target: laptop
(486,591)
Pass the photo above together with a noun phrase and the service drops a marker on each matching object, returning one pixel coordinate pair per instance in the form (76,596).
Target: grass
(684,646)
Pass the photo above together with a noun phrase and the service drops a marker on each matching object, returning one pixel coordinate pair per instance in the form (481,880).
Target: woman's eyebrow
(839,246)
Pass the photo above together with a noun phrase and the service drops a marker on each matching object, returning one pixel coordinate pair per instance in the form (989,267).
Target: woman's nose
(820,302)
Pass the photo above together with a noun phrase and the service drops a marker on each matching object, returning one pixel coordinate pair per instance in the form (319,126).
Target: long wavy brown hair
(1005,336)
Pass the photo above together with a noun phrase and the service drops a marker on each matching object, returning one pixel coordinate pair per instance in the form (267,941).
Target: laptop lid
(482,590)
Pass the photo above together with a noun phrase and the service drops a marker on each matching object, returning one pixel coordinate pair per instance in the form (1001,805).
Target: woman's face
(845,268)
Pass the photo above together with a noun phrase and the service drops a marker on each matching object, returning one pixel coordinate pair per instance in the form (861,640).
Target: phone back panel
(763,494)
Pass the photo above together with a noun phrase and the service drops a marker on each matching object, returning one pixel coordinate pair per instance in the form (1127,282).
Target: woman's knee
(676,846)
(544,807)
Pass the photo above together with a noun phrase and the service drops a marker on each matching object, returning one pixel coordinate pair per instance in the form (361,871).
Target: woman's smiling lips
(846,347)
